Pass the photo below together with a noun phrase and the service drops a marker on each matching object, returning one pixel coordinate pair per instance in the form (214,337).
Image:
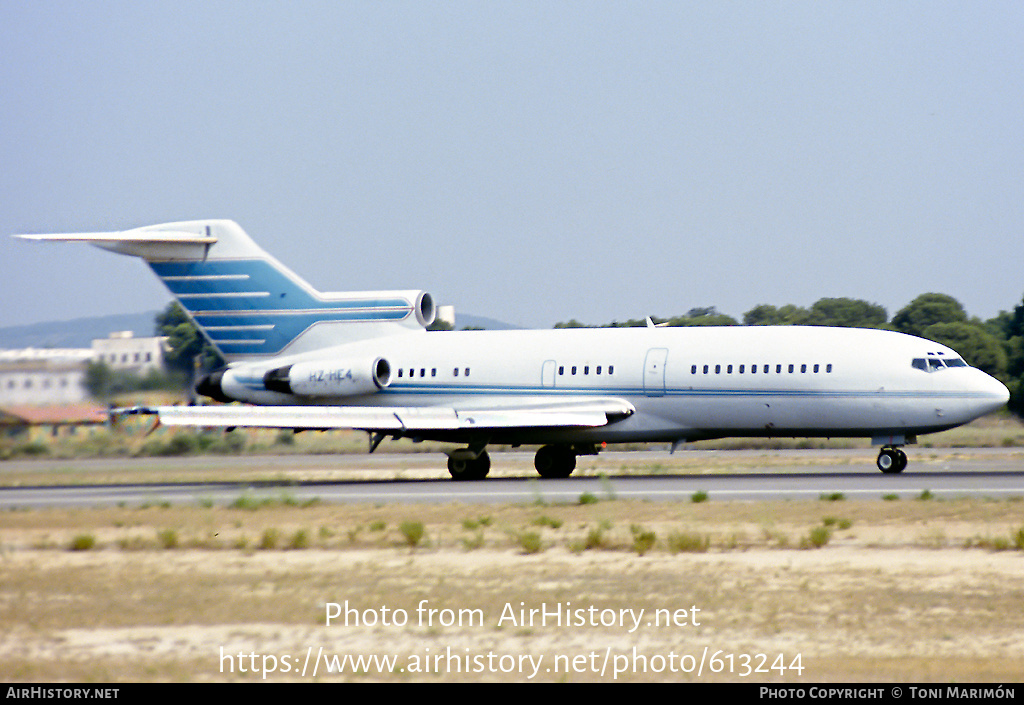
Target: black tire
(555,461)
(470,469)
(891,461)
(901,460)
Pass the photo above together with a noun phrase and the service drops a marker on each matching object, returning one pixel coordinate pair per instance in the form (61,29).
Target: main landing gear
(469,465)
(555,461)
(558,460)
(891,460)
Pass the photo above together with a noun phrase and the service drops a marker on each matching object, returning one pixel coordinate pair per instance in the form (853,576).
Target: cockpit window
(932,364)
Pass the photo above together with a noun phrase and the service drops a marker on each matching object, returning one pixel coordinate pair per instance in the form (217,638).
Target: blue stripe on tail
(250,307)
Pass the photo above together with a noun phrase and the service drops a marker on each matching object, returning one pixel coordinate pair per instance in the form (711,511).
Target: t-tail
(245,302)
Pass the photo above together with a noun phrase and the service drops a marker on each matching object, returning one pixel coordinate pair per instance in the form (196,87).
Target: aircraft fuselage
(685,383)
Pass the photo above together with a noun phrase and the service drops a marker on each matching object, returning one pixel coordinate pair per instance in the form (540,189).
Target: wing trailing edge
(562,414)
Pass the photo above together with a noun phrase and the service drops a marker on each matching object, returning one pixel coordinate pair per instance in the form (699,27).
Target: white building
(122,351)
(54,376)
(43,375)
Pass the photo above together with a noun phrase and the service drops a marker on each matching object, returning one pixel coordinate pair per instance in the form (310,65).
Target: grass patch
(643,539)
(413,532)
(167,538)
(82,542)
(818,537)
(249,503)
(594,539)
(530,542)
(269,539)
(688,542)
(299,540)
(471,524)
(474,542)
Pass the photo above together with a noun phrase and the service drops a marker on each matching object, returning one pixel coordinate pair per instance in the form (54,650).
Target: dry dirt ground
(810,591)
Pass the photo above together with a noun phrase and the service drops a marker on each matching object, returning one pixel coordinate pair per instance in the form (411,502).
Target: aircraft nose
(994,393)
(1004,393)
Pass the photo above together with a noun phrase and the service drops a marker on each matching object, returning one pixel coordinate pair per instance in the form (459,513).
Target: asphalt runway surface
(996,473)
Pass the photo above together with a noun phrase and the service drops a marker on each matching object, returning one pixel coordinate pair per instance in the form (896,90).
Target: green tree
(769,315)
(185,341)
(763,315)
(104,383)
(978,347)
(1014,337)
(1011,331)
(847,313)
(99,380)
(703,316)
(926,310)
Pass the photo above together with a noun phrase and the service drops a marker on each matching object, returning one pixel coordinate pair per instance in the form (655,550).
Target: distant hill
(80,332)
(468,321)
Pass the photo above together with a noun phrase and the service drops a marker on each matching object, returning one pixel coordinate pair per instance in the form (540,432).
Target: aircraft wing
(571,412)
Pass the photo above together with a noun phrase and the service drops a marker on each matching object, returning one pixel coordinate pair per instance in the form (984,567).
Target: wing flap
(565,413)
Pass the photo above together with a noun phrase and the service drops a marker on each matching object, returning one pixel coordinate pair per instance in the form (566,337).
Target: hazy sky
(527,161)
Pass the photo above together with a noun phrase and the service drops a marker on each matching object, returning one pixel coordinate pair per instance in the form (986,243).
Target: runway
(980,473)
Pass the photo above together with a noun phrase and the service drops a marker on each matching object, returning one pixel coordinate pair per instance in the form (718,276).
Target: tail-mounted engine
(330,378)
(322,378)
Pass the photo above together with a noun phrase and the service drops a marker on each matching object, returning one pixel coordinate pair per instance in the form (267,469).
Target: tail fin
(246,303)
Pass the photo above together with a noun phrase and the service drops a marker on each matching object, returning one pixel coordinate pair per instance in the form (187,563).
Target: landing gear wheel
(891,461)
(470,468)
(555,461)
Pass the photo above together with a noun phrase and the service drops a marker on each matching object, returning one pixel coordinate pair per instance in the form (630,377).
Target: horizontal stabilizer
(126,236)
(153,242)
(563,414)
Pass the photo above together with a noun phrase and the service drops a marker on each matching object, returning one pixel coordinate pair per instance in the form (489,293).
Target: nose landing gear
(891,460)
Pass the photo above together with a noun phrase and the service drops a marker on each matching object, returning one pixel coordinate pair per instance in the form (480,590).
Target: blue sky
(528,161)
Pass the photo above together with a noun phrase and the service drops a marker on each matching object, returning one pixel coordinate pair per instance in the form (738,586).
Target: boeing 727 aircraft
(303,359)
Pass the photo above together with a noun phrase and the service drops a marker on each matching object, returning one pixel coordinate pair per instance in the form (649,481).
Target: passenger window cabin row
(585,370)
(433,372)
(929,365)
(760,369)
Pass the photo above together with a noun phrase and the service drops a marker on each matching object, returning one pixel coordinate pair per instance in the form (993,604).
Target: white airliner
(364,360)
